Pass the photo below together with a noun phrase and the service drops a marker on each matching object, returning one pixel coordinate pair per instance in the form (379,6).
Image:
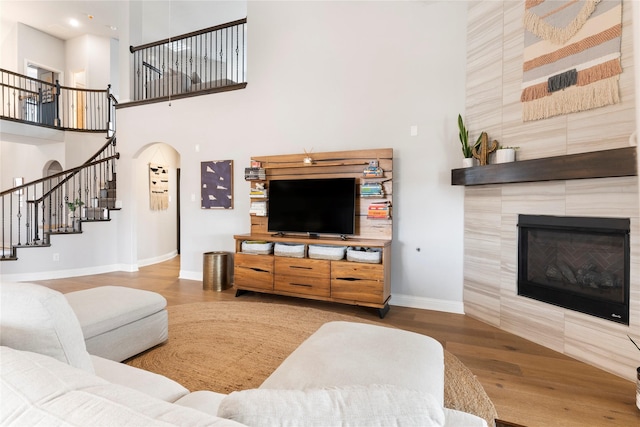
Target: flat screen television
(312,206)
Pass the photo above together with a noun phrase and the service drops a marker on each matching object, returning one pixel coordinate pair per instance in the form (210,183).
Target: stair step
(44,245)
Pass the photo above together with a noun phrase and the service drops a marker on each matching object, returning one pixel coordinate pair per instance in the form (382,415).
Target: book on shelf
(258,208)
(254,173)
(371,189)
(379,210)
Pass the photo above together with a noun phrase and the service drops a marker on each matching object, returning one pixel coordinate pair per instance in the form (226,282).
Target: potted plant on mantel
(467,150)
(506,154)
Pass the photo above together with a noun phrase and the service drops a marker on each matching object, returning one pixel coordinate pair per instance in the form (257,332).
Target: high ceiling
(100,18)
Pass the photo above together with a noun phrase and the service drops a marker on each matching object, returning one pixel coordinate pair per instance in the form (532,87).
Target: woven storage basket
(371,255)
(257,247)
(333,253)
(292,250)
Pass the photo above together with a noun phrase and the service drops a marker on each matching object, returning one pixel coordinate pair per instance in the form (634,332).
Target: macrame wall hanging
(158,187)
(217,184)
(571,58)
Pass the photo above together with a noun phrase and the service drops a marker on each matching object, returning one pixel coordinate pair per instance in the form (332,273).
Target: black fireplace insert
(579,263)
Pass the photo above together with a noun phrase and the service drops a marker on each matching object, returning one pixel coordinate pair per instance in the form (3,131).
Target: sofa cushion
(350,353)
(39,390)
(147,382)
(104,308)
(374,405)
(38,319)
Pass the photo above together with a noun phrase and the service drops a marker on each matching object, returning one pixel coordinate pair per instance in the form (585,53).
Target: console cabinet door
(253,271)
(355,281)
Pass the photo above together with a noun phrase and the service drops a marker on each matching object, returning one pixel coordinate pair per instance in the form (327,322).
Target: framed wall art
(216,188)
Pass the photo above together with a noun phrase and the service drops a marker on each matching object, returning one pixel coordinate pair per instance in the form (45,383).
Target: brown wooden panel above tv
(598,164)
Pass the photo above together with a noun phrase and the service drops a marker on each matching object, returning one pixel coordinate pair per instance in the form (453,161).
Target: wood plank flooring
(529,384)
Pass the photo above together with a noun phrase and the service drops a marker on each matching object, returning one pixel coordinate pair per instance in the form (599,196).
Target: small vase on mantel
(505,155)
(468,162)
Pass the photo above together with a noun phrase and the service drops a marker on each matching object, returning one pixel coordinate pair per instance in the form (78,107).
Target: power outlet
(56,256)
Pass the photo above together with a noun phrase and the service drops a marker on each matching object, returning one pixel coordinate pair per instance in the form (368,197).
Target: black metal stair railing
(204,61)
(28,100)
(58,204)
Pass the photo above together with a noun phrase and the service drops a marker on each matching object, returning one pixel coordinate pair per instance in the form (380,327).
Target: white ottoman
(118,322)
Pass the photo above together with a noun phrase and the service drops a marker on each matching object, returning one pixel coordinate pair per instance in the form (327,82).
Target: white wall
(8,44)
(39,48)
(328,76)
(15,156)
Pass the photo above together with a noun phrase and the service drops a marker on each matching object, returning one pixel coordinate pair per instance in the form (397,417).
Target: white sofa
(344,374)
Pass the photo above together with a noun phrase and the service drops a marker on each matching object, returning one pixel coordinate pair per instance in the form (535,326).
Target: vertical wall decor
(571,59)
(158,187)
(217,184)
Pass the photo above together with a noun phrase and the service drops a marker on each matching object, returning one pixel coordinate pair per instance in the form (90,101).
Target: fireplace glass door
(579,263)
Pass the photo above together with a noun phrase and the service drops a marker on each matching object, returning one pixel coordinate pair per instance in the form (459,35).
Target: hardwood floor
(529,384)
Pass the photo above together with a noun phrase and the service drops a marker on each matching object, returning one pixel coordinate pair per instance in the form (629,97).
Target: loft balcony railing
(205,61)
(32,101)
(58,204)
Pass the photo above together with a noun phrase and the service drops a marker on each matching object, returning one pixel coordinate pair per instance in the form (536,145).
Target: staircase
(59,204)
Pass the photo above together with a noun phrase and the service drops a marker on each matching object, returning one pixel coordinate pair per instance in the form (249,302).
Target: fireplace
(579,263)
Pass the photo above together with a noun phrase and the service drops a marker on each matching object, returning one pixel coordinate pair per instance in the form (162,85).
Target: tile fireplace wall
(494,75)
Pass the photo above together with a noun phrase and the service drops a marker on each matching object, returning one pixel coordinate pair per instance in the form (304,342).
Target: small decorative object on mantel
(467,150)
(506,154)
(484,149)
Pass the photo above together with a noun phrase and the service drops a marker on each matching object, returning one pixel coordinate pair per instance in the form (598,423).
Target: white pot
(505,155)
(468,162)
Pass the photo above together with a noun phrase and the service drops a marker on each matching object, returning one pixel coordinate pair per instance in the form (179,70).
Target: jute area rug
(235,345)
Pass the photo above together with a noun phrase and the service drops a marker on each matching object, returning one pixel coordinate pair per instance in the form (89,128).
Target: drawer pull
(350,279)
(304,285)
(259,270)
(300,267)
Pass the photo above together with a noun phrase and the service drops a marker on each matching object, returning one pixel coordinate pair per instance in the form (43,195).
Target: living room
(344,90)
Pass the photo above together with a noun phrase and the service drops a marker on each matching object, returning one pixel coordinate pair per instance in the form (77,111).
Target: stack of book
(254,174)
(379,210)
(258,193)
(371,189)
(258,208)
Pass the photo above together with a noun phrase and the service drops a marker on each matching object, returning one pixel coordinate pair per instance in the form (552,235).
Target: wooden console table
(341,281)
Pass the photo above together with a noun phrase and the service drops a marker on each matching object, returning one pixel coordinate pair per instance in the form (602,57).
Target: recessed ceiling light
(74,22)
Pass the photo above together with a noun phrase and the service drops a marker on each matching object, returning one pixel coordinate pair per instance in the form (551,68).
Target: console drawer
(358,282)
(315,268)
(356,270)
(304,285)
(253,271)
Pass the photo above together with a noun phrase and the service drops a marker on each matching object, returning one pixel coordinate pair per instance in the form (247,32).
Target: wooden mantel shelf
(599,164)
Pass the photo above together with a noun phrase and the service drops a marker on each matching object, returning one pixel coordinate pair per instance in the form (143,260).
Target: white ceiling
(53,17)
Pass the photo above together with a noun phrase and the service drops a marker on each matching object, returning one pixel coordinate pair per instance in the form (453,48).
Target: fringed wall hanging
(158,187)
(217,184)
(571,58)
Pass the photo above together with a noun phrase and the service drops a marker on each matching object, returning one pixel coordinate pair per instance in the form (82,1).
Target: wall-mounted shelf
(599,164)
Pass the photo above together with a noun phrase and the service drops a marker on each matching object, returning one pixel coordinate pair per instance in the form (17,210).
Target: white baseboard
(427,303)
(61,274)
(157,259)
(190,275)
